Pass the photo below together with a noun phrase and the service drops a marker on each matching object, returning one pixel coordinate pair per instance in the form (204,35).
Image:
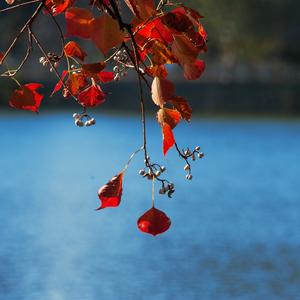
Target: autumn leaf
(10,2)
(72,49)
(161,54)
(170,116)
(157,71)
(91,96)
(154,221)
(76,82)
(60,83)
(183,107)
(168,138)
(78,22)
(106,77)
(111,193)
(91,70)
(1,57)
(106,33)
(26,97)
(178,23)
(142,9)
(184,50)
(56,7)
(193,70)
(162,90)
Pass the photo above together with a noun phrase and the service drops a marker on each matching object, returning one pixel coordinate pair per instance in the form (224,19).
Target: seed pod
(116,69)
(79,123)
(189,176)
(197,148)
(92,121)
(201,155)
(42,59)
(162,191)
(75,115)
(186,168)
(142,172)
(157,173)
(162,169)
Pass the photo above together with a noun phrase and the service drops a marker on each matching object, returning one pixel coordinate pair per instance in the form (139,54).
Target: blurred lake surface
(235,230)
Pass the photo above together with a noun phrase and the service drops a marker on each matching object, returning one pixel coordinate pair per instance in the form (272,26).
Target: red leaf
(93,69)
(57,7)
(168,138)
(1,57)
(60,82)
(76,82)
(183,107)
(106,33)
(162,90)
(154,29)
(111,193)
(193,70)
(170,116)
(91,96)
(105,77)
(26,97)
(142,9)
(154,221)
(73,49)
(78,22)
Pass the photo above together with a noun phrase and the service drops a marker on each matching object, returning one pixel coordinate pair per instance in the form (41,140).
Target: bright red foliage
(154,221)
(111,193)
(26,97)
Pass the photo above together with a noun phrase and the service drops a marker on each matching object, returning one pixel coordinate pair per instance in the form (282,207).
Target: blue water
(235,230)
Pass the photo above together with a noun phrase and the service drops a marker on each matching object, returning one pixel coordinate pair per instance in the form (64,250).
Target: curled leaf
(183,107)
(111,193)
(154,221)
(170,116)
(162,90)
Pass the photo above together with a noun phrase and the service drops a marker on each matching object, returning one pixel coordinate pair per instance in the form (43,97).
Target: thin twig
(18,5)
(27,25)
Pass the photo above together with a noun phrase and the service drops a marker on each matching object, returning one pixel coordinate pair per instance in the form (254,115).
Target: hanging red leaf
(78,22)
(142,9)
(154,29)
(194,70)
(91,96)
(154,221)
(170,116)
(162,90)
(168,138)
(59,85)
(111,193)
(73,49)
(183,107)
(106,77)
(93,69)
(157,71)
(26,97)
(76,82)
(106,33)
(56,7)
(178,23)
